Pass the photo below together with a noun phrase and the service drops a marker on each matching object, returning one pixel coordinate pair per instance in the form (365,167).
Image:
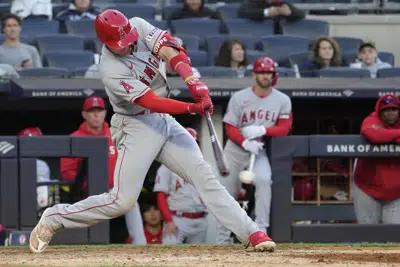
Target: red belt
(189,215)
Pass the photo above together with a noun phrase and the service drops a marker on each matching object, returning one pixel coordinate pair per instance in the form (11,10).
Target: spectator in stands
(376,188)
(27,9)
(232,54)
(77,10)
(324,54)
(368,59)
(153,226)
(270,9)
(12,51)
(196,9)
(42,171)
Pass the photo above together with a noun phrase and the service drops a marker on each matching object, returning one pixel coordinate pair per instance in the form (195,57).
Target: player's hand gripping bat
(217,148)
(247,176)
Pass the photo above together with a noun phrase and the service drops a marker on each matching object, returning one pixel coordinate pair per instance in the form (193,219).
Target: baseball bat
(222,163)
(251,164)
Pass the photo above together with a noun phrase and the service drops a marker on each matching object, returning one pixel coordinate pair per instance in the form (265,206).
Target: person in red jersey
(376,189)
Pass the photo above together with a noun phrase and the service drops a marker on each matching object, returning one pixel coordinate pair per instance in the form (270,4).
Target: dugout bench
(283,211)
(18,181)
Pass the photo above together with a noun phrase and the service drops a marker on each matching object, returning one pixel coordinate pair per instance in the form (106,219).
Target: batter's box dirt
(288,255)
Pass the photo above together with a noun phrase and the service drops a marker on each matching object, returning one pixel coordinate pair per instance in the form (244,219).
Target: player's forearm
(234,134)
(163,206)
(162,105)
(282,128)
(380,135)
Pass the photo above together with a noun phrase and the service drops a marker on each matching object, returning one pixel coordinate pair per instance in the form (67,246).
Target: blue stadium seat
(135,10)
(198,58)
(161,24)
(246,26)
(229,11)
(78,72)
(44,72)
(254,54)
(309,28)
(386,57)
(344,72)
(59,42)
(199,27)
(190,41)
(300,59)
(5,8)
(214,42)
(213,71)
(389,72)
(33,27)
(348,44)
(278,47)
(167,10)
(24,39)
(348,58)
(81,27)
(69,59)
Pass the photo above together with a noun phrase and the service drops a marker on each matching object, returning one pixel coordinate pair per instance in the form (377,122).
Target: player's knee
(123,205)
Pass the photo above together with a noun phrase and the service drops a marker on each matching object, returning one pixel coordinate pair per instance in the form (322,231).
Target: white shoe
(42,234)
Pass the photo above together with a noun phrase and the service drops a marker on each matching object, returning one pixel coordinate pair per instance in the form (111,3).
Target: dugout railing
(284,212)
(18,181)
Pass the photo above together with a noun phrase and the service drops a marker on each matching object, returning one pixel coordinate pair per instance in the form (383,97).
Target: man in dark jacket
(196,9)
(270,9)
(77,10)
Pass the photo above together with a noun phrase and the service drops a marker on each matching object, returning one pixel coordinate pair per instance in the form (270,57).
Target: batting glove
(252,146)
(253,131)
(201,107)
(197,89)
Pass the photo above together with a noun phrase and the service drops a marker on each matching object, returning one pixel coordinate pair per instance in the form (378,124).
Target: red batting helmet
(265,64)
(114,29)
(193,133)
(32,131)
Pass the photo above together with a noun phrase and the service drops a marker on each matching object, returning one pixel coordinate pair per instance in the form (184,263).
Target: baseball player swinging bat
(247,176)
(217,148)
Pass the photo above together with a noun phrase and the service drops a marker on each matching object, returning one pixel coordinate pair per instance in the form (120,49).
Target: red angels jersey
(182,196)
(246,108)
(127,78)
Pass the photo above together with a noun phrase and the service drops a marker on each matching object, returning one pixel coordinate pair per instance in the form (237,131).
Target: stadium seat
(348,58)
(190,42)
(300,59)
(161,24)
(229,11)
(58,7)
(135,10)
(278,47)
(69,59)
(78,72)
(199,27)
(59,42)
(5,8)
(344,72)
(309,28)
(213,71)
(348,44)
(254,54)
(81,27)
(214,42)
(386,57)
(198,58)
(389,72)
(33,27)
(44,72)
(246,26)
(167,10)
(282,72)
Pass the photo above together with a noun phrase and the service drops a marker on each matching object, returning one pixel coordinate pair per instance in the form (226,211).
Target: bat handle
(252,160)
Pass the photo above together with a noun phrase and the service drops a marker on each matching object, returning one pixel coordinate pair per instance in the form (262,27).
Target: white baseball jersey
(246,108)
(182,196)
(127,78)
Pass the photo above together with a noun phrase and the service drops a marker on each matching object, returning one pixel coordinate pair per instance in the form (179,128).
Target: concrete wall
(384,30)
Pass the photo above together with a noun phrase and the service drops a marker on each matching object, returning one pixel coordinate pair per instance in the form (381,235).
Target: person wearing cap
(94,114)
(376,188)
(368,59)
(42,171)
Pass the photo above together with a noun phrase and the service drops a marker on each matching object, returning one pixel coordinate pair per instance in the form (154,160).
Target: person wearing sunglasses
(376,188)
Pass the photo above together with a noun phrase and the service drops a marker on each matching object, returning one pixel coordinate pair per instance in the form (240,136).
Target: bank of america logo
(5,147)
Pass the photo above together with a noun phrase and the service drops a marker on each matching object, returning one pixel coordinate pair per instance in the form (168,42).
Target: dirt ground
(221,256)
